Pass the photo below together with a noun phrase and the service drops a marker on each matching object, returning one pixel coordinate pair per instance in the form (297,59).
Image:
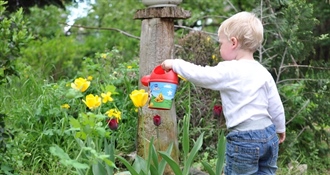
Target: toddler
(251,103)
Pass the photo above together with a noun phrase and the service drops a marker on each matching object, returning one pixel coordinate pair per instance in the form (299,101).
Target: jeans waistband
(252,125)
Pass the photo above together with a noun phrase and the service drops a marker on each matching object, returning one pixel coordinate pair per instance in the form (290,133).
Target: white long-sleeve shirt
(247,89)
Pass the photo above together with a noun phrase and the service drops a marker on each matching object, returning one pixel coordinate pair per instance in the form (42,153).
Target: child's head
(246,27)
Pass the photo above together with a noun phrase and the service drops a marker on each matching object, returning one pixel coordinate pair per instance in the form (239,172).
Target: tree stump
(156,45)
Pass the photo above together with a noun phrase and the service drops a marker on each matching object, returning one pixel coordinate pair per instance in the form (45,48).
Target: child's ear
(234,42)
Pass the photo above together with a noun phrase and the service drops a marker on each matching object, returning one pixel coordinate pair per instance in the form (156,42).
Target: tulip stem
(140,111)
(158,144)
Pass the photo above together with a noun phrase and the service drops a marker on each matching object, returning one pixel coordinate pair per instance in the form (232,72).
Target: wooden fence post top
(162,12)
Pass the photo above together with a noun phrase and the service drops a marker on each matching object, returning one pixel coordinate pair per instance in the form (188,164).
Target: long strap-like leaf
(128,165)
(208,168)
(192,154)
(221,152)
(175,167)
(162,164)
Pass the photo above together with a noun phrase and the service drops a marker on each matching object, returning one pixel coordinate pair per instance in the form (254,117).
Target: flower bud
(217,110)
(157,120)
(113,124)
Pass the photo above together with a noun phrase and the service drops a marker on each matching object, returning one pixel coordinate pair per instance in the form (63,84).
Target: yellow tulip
(139,97)
(80,84)
(92,102)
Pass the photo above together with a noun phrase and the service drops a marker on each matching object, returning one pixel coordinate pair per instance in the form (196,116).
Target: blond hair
(246,27)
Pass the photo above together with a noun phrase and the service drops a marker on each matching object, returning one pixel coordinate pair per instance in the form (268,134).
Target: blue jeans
(252,152)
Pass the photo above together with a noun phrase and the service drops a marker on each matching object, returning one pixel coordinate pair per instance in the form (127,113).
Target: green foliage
(35,123)
(303,89)
(89,127)
(39,102)
(105,25)
(56,55)
(321,11)
(294,33)
(65,158)
(107,68)
(14,36)
(47,22)
(55,58)
(52,54)
(307,127)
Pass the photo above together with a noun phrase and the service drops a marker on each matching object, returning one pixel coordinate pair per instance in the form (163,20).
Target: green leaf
(101,131)
(74,163)
(81,135)
(140,165)
(98,168)
(208,168)
(153,170)
(65,159)
(49,132)
(81,172)
(150,157)
(57,151)
(111,88)
(162,163)
(74,123)
(101,156)
(192,154)
(109,163)
(153,153)
(101,116)
(109,150)
(221,152)
(185,139)
(127,165)
(174,165)
(5,168)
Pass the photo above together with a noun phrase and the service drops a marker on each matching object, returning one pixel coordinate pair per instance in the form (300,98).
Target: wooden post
(156,45)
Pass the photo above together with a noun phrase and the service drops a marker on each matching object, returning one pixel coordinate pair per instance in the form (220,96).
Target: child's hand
(167,64)
(281,137)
